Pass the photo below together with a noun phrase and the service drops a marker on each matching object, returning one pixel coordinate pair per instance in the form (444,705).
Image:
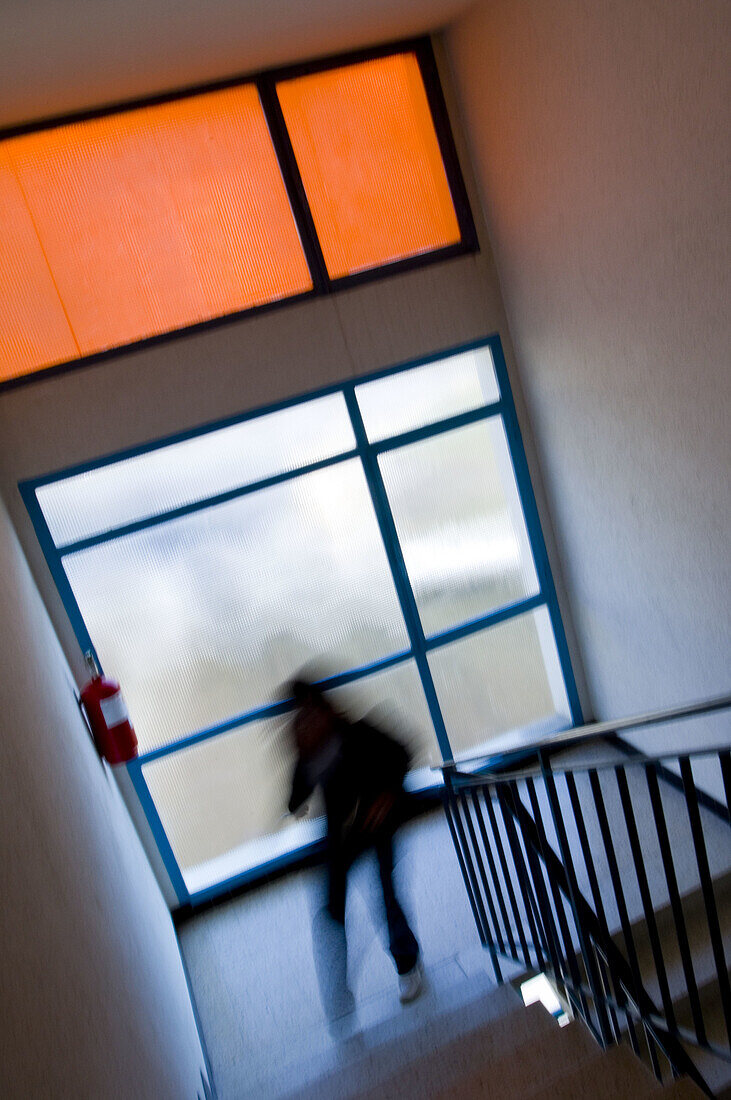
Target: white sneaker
(410,983)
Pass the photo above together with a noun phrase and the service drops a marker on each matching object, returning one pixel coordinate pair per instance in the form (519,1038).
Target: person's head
(314,719)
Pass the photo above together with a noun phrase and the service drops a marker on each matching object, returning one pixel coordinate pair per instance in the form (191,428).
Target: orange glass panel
(368,154)
(33,328)
(160,217)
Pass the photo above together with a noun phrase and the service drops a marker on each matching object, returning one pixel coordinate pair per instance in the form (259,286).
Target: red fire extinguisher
(106,710)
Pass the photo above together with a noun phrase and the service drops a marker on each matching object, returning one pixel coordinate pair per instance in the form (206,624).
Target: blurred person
(360,770)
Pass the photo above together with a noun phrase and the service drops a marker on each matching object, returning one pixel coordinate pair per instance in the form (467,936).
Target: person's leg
(330,949)
(337,884)
(402,942)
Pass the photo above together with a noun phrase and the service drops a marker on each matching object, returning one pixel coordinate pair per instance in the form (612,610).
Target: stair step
(676,815)
(448,1065)
(542,1060)
(704,967)
(682,1089)
(715,1071)
(712,1012)
(386,1047)
(611,1073)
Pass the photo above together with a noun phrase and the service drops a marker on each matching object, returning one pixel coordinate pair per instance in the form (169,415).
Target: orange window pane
(370,163)
(160,217)
(34,330)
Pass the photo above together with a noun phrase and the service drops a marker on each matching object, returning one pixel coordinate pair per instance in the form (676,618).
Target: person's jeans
(329,942)
(402,942)
(330,955)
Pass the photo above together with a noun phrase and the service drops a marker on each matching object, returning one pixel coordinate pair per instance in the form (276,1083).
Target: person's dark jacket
(369,763)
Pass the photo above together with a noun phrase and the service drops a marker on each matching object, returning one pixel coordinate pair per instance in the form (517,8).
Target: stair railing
(584,870)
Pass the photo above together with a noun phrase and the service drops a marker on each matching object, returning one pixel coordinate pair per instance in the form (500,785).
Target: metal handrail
(579,735)
(535,771)
(519,855)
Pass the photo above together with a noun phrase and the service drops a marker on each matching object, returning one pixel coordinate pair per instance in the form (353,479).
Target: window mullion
(282,143)
(460,420)
(272,710)
(533,525)
(484,622)
(397,565)
(201,505)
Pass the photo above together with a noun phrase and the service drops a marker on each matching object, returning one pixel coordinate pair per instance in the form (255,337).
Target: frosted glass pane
(498,680)
(412,398)
(223,803)
(35,331)
(459,520)
(394,701)
(370,162)
(213,611)
(157,218)
(178,474)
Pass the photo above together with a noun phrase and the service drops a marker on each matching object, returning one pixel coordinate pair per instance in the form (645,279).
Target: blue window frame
(456,590)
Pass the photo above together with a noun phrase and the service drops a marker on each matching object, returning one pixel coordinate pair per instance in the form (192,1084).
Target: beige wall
(94,1001)
(599,138)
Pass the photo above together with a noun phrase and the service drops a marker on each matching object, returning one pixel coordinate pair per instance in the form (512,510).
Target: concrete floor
(252,971)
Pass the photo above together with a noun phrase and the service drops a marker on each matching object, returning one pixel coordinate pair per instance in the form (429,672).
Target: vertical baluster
(607,992)
(480,880)
(469,875)
(496,881)
(676,905)
(491,867)
(569,967)
(652,1051)
(505,790)
(724,759)
(543,902)
(507,878)
(540,913)
(593,886)
(573,885)
(464,859)
(464,800)
(616,880)
(639,865)
(618,992)
(691,798)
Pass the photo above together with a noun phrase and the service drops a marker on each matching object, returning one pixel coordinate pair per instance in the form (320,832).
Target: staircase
(715,1071)
(606,872)
(613,874)
(492,1048)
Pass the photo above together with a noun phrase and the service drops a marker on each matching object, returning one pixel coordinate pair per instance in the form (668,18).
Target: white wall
(93,999)
(69,55)
(599,139)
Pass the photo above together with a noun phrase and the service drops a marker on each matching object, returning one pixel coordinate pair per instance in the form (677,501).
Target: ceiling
(61,56)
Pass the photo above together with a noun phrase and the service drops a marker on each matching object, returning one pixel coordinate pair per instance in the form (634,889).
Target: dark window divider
(438,107)
(293,182)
